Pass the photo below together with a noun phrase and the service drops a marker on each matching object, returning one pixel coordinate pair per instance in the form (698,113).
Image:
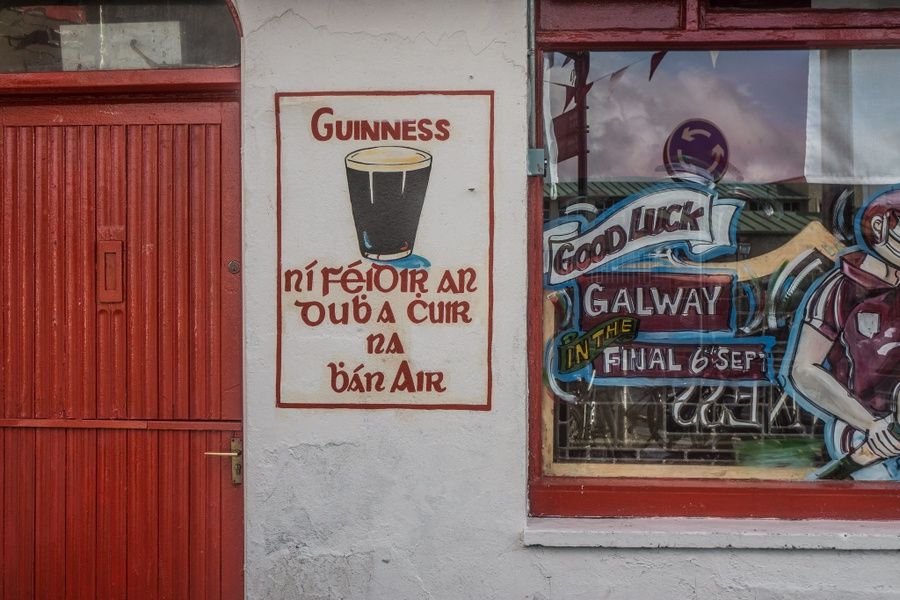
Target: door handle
(237,460)
(110,271)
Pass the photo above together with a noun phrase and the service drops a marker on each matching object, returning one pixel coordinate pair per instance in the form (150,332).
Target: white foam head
(388,159)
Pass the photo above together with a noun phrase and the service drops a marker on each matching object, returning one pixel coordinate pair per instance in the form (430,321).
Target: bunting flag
(655,60)
(567,134)
(614,79)
(576,94)
(714,57)
(570,96)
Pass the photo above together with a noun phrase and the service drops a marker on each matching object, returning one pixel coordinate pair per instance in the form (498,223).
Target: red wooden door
(120,351)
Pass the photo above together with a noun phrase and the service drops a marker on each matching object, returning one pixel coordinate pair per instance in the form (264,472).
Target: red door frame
(163,81)
(691,26)
(167,85)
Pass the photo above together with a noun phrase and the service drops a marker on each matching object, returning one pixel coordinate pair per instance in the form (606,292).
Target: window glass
(117,35)
(722,264)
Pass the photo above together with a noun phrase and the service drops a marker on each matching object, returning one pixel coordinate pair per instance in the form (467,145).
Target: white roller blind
(853,117)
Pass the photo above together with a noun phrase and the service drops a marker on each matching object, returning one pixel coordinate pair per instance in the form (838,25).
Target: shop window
(118,34)
(720,281)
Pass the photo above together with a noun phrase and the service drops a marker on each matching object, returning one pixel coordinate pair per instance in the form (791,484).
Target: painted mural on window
(721,265)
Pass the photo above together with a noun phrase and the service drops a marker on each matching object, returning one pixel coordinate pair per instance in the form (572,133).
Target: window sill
(712,533)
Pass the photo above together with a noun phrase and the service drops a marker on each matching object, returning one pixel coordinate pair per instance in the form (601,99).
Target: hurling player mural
(650,306)
(845,347)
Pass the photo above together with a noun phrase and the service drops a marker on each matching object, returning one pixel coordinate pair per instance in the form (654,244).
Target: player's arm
(818,386)
(823,390)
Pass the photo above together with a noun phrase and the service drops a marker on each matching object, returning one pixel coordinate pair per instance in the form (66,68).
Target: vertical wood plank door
(120,351)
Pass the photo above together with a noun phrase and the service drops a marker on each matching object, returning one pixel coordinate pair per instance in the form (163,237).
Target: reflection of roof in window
(753,222)
(785,222)
(622,189)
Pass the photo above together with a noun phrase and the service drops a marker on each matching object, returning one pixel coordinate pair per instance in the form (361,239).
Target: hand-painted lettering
(325,127)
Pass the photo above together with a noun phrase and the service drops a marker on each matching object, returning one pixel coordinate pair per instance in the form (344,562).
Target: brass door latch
(237,460)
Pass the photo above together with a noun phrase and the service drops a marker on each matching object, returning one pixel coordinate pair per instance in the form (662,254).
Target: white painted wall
(432,504)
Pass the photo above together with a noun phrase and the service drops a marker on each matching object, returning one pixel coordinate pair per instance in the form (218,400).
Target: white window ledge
(713,533)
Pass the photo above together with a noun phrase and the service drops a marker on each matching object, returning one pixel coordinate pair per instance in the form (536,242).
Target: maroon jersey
(860,313)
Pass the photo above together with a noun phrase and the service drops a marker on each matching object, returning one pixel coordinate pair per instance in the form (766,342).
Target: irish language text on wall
(385,215)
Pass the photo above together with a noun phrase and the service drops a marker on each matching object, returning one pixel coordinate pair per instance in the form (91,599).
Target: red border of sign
(490,329)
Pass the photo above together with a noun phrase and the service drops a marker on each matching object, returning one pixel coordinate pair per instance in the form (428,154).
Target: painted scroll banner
(736,362)
(385,228)
(686,217)
(662,301)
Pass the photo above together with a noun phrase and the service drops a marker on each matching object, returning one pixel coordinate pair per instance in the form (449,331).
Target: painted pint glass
(387,187)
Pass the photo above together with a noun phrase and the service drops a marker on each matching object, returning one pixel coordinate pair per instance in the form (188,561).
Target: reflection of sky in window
(758,100)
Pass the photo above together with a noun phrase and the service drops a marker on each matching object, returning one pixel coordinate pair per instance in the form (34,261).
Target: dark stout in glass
(387,188)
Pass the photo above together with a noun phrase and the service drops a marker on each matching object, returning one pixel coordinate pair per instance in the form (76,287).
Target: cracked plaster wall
(431,504)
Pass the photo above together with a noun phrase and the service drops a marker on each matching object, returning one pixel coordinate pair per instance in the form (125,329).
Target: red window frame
(685,24)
